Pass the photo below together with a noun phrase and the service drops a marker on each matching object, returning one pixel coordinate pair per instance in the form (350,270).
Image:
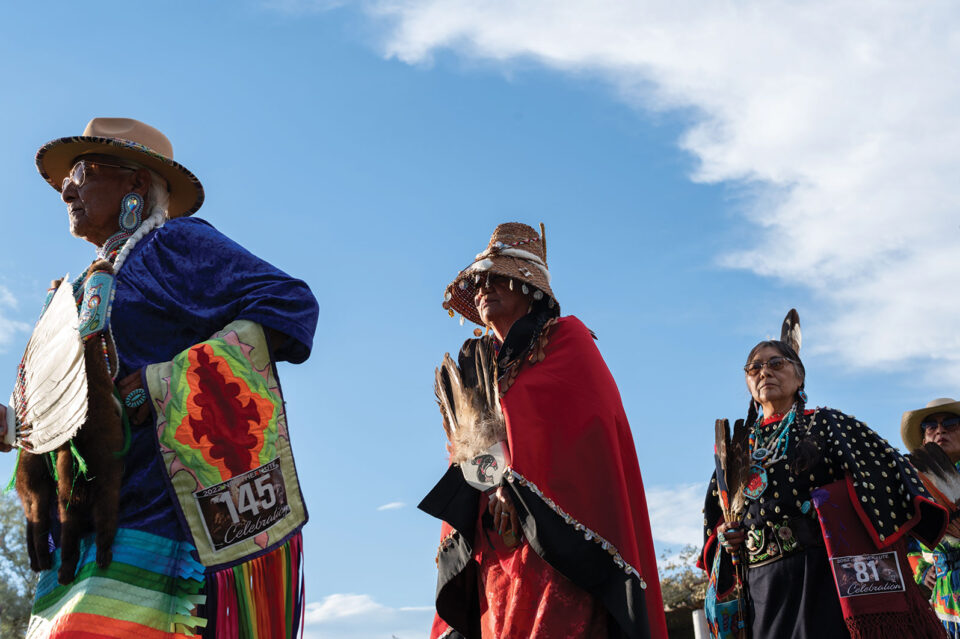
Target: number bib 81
(244,506)
(874,574)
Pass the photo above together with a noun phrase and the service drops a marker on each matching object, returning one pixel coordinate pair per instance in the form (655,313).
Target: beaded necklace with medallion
(766,451)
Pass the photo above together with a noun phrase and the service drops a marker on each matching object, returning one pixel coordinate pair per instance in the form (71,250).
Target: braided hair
(807,453)
(158,200)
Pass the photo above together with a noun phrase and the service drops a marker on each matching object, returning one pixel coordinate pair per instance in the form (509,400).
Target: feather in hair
(790,331)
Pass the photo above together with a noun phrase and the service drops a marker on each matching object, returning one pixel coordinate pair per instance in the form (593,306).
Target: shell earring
(131,212)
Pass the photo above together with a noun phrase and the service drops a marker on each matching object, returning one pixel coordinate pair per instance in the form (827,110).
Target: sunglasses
(774,363)
(948,423)
(78,174)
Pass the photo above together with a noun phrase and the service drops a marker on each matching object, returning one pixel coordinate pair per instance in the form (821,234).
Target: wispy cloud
(676,513)
(841,123)
(9,328)
(351,616)
(393,505)
(7,298)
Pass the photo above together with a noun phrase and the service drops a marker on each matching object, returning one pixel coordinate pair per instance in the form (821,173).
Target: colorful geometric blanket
(223,438)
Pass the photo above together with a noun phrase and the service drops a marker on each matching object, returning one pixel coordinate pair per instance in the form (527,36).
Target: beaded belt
(770,543)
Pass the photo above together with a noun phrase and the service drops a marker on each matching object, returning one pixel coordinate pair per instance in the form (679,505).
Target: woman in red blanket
(561,546)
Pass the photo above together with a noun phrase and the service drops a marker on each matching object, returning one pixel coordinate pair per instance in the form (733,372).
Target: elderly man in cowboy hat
(545,526)
(210,510)
(938,568)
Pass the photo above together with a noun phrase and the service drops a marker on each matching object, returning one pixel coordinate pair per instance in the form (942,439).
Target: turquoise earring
(131,212)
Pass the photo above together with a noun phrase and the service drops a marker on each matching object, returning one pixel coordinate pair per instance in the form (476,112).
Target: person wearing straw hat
(198,323)
(545,531)
(938,567)
(807,514)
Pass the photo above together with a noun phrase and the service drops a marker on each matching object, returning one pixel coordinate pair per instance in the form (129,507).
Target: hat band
(484,263)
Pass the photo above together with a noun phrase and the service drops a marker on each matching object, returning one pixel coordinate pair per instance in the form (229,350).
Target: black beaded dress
(789,589)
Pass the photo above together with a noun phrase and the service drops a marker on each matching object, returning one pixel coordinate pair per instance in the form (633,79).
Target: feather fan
(722,435)
(50,395)
(937,470)
(469,401)
(738,467)
(730,459)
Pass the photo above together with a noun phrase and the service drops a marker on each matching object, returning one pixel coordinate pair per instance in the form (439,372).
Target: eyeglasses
(79,172)
(951,422)
(774,363)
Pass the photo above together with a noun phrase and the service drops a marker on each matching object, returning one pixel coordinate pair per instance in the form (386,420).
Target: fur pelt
(79,498)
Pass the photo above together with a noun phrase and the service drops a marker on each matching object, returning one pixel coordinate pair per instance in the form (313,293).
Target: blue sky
(699,170)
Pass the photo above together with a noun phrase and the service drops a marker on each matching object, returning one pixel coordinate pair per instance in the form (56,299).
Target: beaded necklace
(773,448)
(766,451)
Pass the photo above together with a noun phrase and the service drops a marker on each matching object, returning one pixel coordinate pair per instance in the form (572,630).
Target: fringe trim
(588,534)
(13,476)
(262,598)
(885,625)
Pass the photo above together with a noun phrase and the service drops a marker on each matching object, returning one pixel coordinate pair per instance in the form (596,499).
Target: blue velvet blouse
(180,284)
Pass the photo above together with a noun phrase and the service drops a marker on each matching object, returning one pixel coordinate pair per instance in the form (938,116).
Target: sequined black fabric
(825,446)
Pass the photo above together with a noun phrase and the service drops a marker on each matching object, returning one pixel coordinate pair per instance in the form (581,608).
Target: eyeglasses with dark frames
(774,363)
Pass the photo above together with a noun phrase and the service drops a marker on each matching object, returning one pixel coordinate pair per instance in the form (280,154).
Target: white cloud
(6,298)
(839,118)
(350,616)
(393,505)
(675,513)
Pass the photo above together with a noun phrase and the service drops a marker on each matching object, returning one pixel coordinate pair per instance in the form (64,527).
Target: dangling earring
(131,209)
(802,395)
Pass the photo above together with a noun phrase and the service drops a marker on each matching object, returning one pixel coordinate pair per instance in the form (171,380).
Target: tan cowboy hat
(515,251)
(910,431)
(129,140)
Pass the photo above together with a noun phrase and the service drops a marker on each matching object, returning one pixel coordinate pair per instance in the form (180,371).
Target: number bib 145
(243,506)
(874,574)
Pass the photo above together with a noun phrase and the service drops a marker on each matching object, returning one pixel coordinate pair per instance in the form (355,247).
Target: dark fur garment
(79,497)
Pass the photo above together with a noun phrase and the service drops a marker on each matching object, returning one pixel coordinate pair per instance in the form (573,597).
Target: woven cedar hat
(910,431)
(516,251)
(129,140)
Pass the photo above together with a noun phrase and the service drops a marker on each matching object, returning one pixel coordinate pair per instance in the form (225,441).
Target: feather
(51,393)
(722,435)
(731,461)
(443,387)
(469,400)
(790,331)
(937,469)
(738,467)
